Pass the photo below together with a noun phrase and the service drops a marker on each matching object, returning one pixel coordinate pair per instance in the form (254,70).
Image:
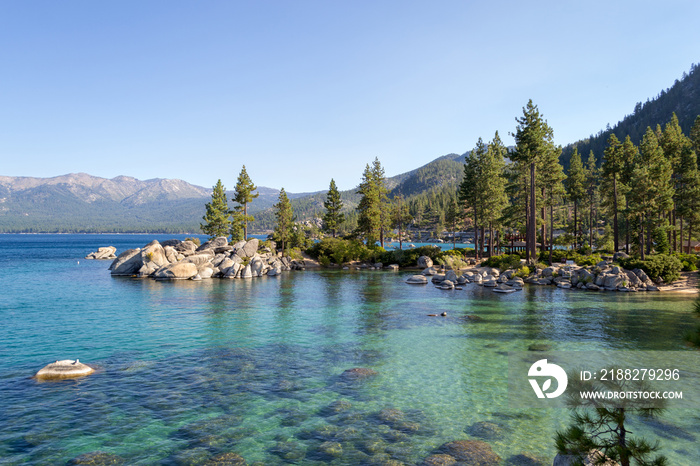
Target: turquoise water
(188,370)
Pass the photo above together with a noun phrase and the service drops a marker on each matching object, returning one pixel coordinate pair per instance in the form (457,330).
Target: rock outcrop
(183,260)
(107,252)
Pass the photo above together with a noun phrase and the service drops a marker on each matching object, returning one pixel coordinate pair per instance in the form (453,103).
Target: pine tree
(672,142)
(243,195)
(333,205)
(688,194)
(400,216)
(468,193)
(217,216)
(533,136)
(492,186)
(652,190)
(592,177)
(613,165)
(599,433)
(695,137)
(630,153)
(285,221)
(372,217)
(452,217)
(576,189)
(552,191)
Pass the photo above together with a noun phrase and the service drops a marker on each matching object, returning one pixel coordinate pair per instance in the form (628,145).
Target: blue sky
(305,91)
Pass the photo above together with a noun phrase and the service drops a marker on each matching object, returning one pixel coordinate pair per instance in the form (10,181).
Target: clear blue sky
(305,91)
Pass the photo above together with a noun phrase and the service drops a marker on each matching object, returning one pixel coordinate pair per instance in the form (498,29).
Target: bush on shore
(662,266)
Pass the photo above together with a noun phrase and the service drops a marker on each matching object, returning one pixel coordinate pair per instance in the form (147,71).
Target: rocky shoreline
(604,276)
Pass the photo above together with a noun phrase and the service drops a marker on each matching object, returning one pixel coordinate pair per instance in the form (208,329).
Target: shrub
(324,261)
(503,262)
(524,272)
(657,266)
(194,239)
(690,261)
(558,255)
(585,260)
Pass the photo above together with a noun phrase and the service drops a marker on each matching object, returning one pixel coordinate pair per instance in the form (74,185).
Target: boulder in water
(64,369)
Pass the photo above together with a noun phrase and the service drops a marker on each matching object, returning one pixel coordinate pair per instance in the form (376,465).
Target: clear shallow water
(187,370)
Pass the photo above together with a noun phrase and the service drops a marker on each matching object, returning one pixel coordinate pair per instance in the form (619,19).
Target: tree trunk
(551,231)
(681,234)
(641,237)
(627,227)
(675,233)
(616,232)
(482,240)
(533,214)
(490,239)
(690,235)
(527,227)
(245,221)
(476,238)
(590,227)
(575,224)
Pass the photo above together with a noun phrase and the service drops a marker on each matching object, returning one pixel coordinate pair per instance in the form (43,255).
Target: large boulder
(153,257)
(258,267)
(247,272)
(233,270)
(425,262)
(171,254)
(199,259)
(451,276)
(170,242)
(218,242)
(64,369)
(106,252)
(250,248)
(178,271)
(612,282)
(127,263)
(417,280)
(186,248)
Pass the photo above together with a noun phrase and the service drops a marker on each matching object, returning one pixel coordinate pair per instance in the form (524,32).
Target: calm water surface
(188,370)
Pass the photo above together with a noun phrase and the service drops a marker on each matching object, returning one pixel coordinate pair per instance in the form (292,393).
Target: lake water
(188,370)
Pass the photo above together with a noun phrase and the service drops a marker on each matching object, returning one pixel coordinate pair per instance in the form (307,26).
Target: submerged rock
(97,458)
(358,373)
(473,452)
(485,430)
(64,369)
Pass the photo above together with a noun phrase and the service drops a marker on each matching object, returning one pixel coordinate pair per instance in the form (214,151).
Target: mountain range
(79,202)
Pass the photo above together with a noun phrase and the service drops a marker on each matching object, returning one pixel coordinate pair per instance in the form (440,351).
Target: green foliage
(373,217)
(503,262)
(660,237)
(690,262)
(295,254)
(324,261)
(656,266)
(194,239)
(216,218)
(523,272)
(339,250)
(603,425)
(283,211)
(585,260)
(558,255)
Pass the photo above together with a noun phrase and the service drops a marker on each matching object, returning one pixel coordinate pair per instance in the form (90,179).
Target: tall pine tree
(533,137)
(612,168)
(244,194)
(576,190)
(284,216)
(333,205)
(216,219)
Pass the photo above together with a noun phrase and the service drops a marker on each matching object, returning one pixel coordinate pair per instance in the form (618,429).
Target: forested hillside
(683,99)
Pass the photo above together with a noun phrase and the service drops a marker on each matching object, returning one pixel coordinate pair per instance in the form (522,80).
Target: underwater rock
(539,347)
(439,460)
(226,459)
(357,373)
(473,452)
(97,458)
(64,369)
(485,430)
(525,459)
(333,449)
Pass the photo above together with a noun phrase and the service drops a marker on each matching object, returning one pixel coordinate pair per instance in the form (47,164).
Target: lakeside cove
(326,366)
